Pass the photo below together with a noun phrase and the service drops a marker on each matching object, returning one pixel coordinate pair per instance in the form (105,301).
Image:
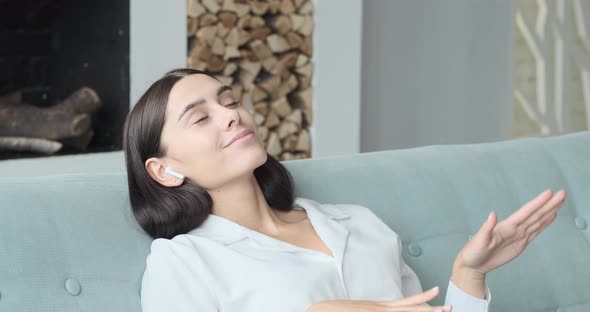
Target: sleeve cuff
(463,302)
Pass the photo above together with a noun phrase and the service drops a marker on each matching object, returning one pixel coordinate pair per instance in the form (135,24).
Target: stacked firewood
(262,49)
(28,128)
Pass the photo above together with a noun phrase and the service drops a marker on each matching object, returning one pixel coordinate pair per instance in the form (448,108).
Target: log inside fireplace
(51,49)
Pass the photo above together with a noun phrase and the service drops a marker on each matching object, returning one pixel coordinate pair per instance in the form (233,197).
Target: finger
(527,209)
(417,299)
(553,206)
(554,202)
(414,308)
(542,225)
(487,227)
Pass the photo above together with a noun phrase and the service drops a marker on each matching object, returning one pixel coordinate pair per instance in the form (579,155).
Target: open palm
(496,244)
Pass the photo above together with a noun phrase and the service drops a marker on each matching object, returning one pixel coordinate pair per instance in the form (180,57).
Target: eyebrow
(200,101)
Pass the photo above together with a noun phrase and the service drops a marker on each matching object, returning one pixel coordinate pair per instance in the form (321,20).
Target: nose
(232,119)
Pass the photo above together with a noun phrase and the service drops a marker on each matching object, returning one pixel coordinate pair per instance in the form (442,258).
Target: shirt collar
(227,232)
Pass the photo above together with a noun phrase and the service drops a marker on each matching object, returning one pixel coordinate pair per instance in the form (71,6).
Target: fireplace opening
(64,76)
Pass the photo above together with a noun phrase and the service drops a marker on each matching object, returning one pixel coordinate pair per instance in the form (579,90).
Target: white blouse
(223,266)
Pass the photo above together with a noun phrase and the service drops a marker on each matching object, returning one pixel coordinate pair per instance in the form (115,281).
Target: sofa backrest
(435,197)
(70,243)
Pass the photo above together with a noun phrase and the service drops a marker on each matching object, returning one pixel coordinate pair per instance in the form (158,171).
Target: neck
(243,202)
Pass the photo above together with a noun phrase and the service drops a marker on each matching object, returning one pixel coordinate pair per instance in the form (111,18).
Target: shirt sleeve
(460,300)
(170,283)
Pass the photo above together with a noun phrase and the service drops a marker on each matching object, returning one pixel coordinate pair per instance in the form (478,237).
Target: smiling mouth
(240,136)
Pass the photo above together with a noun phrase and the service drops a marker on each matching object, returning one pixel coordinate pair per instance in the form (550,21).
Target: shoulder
(336,211)
(363,215)
(175,250)
(161,246)
(174,259)
(359,216)
(353,210)
(175,279)
(163,250)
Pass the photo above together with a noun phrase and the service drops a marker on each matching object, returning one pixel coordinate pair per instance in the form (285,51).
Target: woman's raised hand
(496,244)
(415,303)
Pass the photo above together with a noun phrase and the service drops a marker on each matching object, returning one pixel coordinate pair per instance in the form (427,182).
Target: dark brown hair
(164,212)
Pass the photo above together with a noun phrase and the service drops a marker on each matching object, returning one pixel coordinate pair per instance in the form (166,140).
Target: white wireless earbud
(174,173)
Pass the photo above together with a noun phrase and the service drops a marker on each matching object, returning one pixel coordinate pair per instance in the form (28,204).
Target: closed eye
(200,120)
(230,104)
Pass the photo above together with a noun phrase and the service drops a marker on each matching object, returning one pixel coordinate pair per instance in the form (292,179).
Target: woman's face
(202,119)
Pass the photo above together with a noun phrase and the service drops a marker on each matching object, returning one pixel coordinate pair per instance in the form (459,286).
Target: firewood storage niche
(263,50)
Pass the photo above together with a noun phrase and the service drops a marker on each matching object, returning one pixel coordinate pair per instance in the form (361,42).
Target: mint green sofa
(69,242)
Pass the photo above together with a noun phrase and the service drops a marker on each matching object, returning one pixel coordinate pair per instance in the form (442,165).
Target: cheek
(200,154)
(197,144)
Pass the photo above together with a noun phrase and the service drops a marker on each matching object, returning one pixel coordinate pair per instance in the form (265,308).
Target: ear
(156,169)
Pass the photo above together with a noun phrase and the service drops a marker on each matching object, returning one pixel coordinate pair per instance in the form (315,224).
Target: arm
(169,283)
(456,296)
(459,299)
(469,281)
(496,244)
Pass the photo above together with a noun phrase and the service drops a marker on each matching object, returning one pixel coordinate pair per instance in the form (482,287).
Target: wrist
(469,280)
(459,266)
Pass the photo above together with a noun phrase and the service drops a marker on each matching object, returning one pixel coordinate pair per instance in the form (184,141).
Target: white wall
(336,113)
(436,72)
(157,41)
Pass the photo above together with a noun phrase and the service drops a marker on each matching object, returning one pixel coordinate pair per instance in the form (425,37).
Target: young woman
(230,236)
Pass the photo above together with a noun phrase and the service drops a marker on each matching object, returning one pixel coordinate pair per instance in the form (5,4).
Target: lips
(238,136)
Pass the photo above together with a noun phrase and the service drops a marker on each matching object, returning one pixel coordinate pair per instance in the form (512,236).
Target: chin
(247,163)
(252,158)
(262,157)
